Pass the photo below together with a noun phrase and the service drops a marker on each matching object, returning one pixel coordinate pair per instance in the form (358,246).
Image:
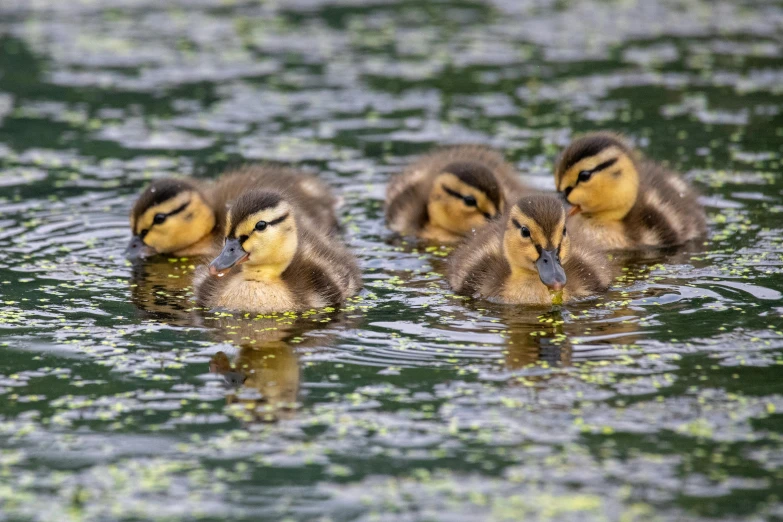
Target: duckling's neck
(609,216)
(202,247)
(266,272)
(432,232)
(525,286)
(523,275)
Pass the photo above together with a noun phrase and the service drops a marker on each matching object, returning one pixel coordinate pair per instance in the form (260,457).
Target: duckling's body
(622,201)
(183,217)
(526,257)
(285,265)
(449,193)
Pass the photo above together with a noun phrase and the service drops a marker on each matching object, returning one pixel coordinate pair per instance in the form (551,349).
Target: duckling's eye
(470,201)
(564,231)
(524,231)
(261,226)
(159,218)
(585,175)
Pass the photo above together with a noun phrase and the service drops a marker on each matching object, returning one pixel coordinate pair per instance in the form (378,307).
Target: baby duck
(526,257)
(184,217)
(623,201)
(286,265)
(451,192)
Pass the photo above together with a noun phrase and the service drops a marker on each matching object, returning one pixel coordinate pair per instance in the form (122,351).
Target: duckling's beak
(572,209)
(550,271)
(136,249)
(232,254)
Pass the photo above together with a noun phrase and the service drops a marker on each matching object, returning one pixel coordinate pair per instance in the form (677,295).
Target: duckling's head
(170,215)
(535,239)
(597,175)
(464,197)
(261,232)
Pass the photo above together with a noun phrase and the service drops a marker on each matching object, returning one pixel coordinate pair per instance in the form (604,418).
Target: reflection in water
(263,378)
(159,289)
(264,373)
(560,338)
(533,337)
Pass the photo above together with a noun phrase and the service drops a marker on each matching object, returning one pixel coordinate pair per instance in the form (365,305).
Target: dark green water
(659,401)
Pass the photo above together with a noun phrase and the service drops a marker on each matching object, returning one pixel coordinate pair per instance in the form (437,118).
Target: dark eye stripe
(166,215)
(516,223)
(605,165)
(179,209)
(602,166)
(453,193)
(278,220)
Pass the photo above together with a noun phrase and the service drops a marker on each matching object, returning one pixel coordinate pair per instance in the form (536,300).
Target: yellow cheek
(523,252)
(465,219)
(476,219)
(158,239)
(253,244)
(565,245)
(530,252)
(581,196)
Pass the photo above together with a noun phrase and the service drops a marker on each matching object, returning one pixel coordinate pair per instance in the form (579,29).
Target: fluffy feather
(480,268)
(635,203)
(320,273)
(408,193)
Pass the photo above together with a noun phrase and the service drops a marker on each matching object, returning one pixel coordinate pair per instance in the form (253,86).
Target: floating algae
(659,401)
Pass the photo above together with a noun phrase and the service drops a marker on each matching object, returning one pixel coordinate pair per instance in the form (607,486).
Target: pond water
(660,401)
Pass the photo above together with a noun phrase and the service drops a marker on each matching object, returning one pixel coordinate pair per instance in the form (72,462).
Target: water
(660,401)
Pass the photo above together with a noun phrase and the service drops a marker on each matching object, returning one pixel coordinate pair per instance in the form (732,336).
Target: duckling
(185,217)
(451,192)
(623,201)
(527,257)
(286,265)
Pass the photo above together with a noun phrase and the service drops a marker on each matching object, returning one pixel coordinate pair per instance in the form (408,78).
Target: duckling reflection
(159,290)
(560,339)
(265,378)
(532,338)
(265,373)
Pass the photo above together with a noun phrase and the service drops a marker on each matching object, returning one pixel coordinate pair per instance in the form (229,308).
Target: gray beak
(550,271)
(231,255)
(136,249)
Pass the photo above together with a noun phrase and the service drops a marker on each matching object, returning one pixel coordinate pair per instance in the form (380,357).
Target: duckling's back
(314,197)
(323,272)
(667,210)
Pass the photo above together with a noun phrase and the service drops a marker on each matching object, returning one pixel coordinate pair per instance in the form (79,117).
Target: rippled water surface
(659,401)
